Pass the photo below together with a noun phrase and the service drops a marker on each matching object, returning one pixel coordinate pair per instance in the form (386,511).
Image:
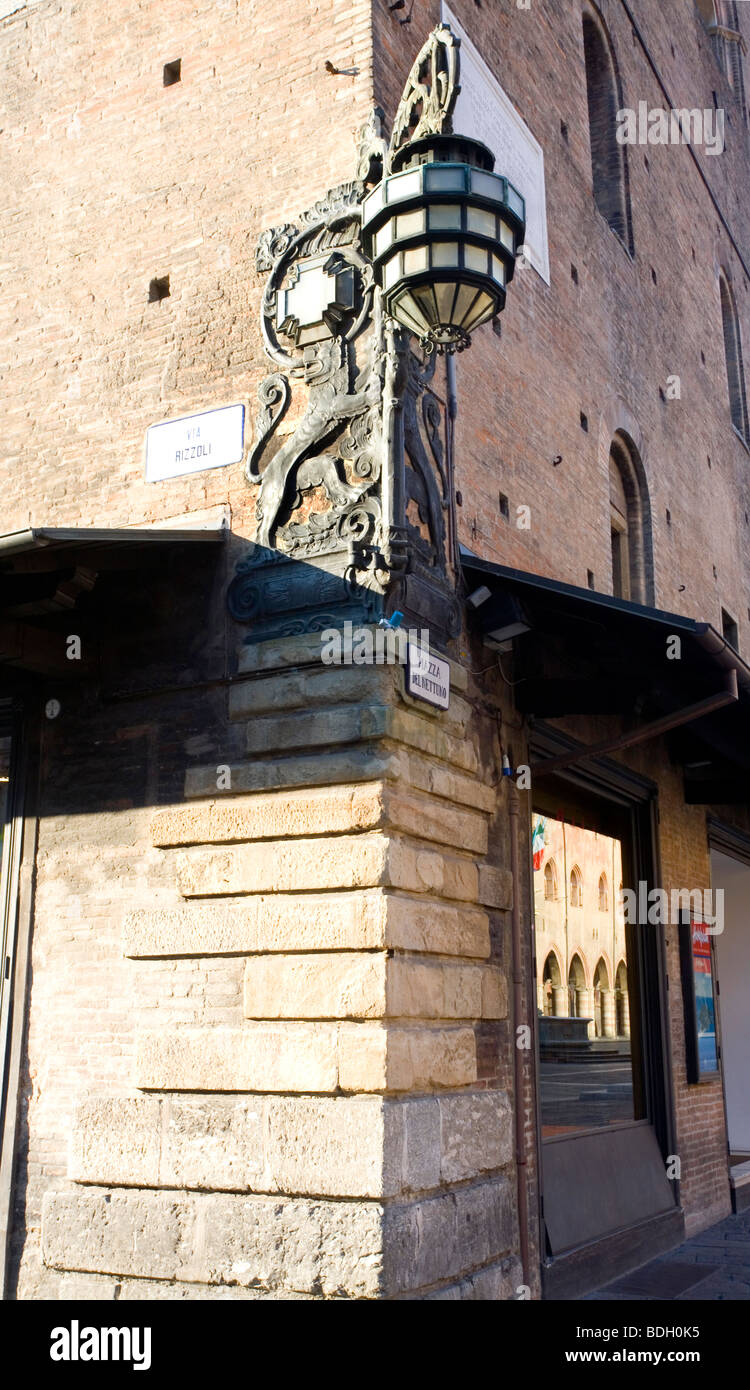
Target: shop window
(733,359)
(11,828)
(585,1013)
(630,523)
(608,156)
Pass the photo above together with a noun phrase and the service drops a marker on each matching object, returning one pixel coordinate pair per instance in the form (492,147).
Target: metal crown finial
(430,93)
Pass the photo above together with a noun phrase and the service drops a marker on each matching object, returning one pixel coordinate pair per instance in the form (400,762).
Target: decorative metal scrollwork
(426,106)
(351,496)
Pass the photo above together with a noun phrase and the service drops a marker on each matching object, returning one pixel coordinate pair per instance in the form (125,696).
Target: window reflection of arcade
(582,985)
(603,1102)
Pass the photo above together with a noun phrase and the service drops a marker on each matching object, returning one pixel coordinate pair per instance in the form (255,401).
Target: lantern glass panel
(425,300)
(477,220)
(445,253)
(487,185)
(445,216)
(515,201)
(383,238)
(406,309)
(392,271)
(464,300)
(444,297)
(481,309)
(410,223)
(445,178)
(415,260)
(506,236)
(475,258)
(372,203)
(404,185)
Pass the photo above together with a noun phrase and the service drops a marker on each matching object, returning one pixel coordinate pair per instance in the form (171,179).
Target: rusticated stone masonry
(309,1122)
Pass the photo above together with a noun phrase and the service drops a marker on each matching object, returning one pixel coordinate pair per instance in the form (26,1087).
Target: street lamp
(441,228)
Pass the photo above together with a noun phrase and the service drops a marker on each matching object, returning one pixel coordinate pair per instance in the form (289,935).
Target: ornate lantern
(441,228)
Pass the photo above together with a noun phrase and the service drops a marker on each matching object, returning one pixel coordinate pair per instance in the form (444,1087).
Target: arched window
(550,880)
(603,893)
(733,358)
(708,13)
(630,523)
(576,887)
(734,50)
(721,21)
(608,157)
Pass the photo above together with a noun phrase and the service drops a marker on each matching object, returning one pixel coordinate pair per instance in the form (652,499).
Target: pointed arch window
(722,24)
(733,358)
(630,523)
(608,157)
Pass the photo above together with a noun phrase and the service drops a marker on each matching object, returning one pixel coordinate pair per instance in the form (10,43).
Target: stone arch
(602,974)
(553,967)
(609,163)
(622,1001)
(552,1000)
(579,993)
(604,1002)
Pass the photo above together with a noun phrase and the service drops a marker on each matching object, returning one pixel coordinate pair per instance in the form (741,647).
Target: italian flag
(537,842)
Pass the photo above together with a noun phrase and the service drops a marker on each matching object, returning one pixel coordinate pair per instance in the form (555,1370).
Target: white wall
(733,962)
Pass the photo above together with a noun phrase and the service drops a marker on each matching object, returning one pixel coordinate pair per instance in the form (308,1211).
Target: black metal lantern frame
(442,230)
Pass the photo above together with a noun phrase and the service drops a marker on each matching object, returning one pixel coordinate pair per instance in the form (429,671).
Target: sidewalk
(712,1266)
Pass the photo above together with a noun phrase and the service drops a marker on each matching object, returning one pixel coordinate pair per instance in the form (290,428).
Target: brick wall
(112,179)
(604,346)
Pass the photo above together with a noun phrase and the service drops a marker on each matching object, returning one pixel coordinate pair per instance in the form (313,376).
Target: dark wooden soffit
(586,653)
(47,574)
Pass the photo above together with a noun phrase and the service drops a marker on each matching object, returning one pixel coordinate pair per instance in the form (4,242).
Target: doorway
(732,947)
(11,829)
(603,1100)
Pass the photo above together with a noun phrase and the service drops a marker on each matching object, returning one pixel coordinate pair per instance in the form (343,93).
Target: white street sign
(212,439)
(428,676)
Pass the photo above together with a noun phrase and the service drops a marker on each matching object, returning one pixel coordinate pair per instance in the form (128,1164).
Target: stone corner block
(495,887)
